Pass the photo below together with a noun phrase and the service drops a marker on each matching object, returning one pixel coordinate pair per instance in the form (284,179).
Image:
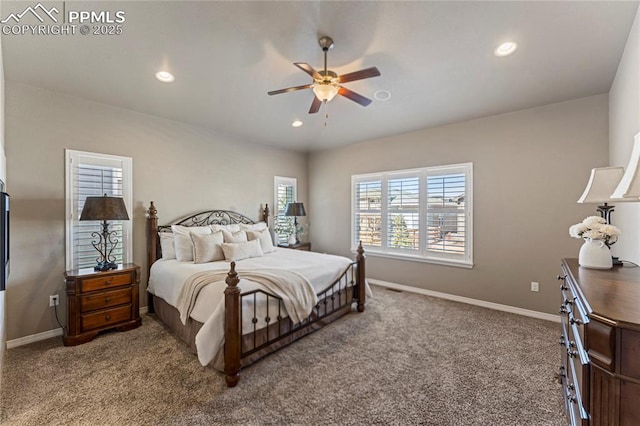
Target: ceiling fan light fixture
(325,91)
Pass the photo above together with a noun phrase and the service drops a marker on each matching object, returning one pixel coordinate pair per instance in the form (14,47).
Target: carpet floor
(407,360)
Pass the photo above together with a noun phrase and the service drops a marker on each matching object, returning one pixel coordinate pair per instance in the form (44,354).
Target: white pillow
(182,241)
(253,226)
(206,247)
(166,245)
(234,227)
(235,237)
(264,236)
(239,251)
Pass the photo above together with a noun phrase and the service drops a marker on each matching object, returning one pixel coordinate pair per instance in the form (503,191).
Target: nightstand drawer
(106,318)
(102,283)
(105,299)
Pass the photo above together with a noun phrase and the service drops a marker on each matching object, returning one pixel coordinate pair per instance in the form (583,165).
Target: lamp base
(105,266)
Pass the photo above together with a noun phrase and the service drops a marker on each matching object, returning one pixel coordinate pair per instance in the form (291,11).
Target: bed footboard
(334,301)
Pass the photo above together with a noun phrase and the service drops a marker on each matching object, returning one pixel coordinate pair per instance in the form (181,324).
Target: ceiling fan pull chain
(326,114)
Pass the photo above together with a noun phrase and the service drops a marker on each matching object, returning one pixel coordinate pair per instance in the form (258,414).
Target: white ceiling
(436,59)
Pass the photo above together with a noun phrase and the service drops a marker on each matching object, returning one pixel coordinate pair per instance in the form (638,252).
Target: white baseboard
(21,341)
(468,300)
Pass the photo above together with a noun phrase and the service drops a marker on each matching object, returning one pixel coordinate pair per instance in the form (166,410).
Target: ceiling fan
(327,84)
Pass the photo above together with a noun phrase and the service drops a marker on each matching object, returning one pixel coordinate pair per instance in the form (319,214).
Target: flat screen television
(4,238)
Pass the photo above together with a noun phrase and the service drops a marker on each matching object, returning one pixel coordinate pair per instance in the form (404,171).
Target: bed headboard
(210,217)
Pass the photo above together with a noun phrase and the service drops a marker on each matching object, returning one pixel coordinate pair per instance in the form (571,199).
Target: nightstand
(299,246)
(99,301)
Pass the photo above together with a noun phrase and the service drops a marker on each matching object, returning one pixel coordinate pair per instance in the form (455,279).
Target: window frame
(282,180)
(71,158)
(422,254)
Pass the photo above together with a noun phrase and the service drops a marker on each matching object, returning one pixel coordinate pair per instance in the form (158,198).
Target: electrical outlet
(535,286)
(54,300)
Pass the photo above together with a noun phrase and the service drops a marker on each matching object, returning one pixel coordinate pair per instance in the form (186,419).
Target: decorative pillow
(235,237)
(253,226)
(206,247)
(264,236)
(166,245)
(182,241)
(239,251)
(234,227)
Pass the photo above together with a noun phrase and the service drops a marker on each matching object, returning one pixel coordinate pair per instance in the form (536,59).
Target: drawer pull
(107,300)
(107,282)
(108,317)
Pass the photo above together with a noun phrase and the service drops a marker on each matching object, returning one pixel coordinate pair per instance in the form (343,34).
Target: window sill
(445,262)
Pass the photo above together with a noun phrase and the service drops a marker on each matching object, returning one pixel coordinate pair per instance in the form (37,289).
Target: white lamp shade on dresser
(629,186)
(602,183)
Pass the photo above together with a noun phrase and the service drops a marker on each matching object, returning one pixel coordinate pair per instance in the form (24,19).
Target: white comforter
(168,276)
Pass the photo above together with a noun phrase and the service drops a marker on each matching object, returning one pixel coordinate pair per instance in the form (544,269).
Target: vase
(292,239)
(595,254)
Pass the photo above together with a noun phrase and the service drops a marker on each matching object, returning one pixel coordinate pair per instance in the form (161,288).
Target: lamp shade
(629,186)
(104,208)
(602,183)
(295,209)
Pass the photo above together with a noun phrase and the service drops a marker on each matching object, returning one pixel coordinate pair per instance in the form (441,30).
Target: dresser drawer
(101,283)
(106,318)
(106,299)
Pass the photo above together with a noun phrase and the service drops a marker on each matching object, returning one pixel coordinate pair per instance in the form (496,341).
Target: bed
(246,309)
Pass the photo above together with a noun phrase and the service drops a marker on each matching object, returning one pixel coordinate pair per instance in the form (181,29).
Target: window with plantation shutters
(419,214)
(91,175)
(285,193)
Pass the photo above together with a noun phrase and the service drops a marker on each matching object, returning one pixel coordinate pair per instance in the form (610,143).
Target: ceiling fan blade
(359,75)
(343,91)
(308,69)
(289,89)
(315,105)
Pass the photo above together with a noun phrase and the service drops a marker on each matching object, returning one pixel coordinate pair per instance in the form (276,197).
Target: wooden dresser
(600,345)
(98,301)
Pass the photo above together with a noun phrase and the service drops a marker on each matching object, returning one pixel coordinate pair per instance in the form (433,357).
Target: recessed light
(297,123)
(382,95)
(505,49)
(165,76)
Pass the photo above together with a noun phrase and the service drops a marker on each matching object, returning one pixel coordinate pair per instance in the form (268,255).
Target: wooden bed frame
(242,350)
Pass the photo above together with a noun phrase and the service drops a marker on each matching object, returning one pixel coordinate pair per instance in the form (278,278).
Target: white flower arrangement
(595,228)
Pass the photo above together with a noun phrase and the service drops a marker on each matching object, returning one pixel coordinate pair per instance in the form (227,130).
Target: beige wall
(183,168)
(529,168)
(624,123)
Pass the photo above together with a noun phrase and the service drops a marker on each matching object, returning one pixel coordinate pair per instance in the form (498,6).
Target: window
(89,175)
(422,214)
(285,193)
